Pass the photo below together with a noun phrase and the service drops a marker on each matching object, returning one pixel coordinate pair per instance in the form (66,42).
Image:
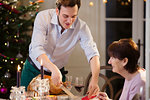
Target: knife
(67,91)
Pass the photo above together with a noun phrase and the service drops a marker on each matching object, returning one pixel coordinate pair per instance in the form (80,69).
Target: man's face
(67,16)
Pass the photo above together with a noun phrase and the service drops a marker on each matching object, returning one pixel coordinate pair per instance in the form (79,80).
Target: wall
(147,55)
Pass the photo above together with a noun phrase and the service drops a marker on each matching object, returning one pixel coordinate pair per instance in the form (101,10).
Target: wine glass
(69,82)
(79,84)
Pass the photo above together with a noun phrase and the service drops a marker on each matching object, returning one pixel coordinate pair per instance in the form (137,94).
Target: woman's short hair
(125,48)
(67,3)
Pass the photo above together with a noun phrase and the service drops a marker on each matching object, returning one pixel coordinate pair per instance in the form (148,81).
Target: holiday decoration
(7,74)
(16,21)
(19,55)
(18,93)
(3,90)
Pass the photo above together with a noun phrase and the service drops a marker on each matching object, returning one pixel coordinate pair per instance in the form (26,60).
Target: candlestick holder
(42,87)
(17,93)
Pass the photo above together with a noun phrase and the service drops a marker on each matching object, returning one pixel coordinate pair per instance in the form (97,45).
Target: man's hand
(56,74)
(93,89)
(56,77)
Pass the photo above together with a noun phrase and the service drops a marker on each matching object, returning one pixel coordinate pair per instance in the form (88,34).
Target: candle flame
(19,68)
(41,62)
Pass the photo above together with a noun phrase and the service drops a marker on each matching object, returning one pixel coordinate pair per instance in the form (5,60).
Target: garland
(8,57)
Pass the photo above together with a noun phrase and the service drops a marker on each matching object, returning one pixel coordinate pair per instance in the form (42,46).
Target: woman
(124,57)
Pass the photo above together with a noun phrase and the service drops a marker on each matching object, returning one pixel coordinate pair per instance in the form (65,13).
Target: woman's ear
(125,61)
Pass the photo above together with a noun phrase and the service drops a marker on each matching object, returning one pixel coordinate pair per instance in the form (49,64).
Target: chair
(137,97)
(107,83)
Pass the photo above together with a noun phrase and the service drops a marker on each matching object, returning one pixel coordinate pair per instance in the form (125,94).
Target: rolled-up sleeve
(87,43)
(38,36)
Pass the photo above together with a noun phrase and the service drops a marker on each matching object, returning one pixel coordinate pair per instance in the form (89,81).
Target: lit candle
(18,75)
(42,71)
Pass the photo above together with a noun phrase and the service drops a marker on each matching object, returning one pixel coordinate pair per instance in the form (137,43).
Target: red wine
(79,88)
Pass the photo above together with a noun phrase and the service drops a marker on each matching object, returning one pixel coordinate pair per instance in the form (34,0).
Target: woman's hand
(103,96)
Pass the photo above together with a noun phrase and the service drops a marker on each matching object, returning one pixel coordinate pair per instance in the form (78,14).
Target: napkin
(86,98)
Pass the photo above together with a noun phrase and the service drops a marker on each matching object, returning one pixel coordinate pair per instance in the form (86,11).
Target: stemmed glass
(79,84)
(69,82)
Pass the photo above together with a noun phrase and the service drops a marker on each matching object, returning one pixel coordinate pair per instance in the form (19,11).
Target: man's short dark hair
(125,48)
(67,3)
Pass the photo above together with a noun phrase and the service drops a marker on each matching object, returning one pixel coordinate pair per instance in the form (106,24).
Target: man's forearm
(47,63)
(95,68)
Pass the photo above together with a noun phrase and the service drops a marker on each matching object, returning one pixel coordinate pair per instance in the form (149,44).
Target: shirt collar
(55,21)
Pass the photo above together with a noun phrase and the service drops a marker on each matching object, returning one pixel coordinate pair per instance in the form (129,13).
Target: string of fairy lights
(7,59)
(19,56)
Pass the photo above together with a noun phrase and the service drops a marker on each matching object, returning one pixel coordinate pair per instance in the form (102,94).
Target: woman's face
(117,65)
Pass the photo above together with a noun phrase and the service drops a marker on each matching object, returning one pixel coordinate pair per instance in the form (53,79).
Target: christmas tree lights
(16,22)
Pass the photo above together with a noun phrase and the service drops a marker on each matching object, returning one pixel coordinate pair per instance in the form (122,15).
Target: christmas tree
(15,22)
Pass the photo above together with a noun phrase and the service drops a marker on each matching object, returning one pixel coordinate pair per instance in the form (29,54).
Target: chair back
(137,97)
(107,83)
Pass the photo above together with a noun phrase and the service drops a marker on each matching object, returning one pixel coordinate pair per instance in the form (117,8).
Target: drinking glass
(79,84)
(69,82)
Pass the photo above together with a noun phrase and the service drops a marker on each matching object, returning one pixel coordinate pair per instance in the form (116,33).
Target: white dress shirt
(47,39)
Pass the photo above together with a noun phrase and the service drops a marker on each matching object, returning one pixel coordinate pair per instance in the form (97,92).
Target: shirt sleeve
(38,36)
(137,87)
(87,43)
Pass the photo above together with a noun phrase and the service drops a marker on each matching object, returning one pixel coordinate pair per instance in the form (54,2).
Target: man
(55,34)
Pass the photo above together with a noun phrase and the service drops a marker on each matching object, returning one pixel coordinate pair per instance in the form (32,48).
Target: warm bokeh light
(126,3)
(122,3)
(38,1)
(105,1)
(11,62)
(5,43)
(18,68)
(91,4)
(6,60)
(21,62)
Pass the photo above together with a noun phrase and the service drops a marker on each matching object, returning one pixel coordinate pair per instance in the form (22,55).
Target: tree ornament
(3,90)
(31,14)
(18,33)
(1,85)
(7,43)
(19,55)
(7,23)
(31,2)
(7,74)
